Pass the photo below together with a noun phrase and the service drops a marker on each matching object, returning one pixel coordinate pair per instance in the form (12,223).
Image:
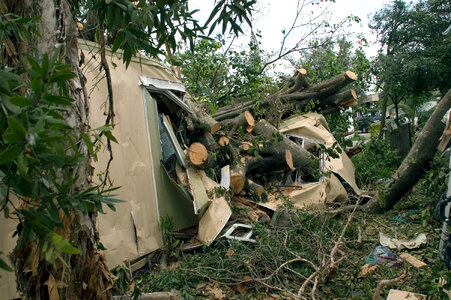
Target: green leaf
(48,255)
(9,76)
(10,153)
(88,142)
(44,65)
(16,126)
(66,247)
(22,166)
(127,56)
(110,136)
(62,76)
(62,100)
(4,265)
(36,85)
(21,101)
(118,41)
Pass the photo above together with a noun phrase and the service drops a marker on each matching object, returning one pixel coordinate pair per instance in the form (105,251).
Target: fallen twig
(386,282)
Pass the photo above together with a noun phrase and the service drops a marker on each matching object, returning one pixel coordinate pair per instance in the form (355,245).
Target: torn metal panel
(335,191)
(161,84)
(200,197)
(7,244)
(314,127)
(166,89)
(132,167)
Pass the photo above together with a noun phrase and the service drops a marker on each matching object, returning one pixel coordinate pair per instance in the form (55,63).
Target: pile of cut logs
(255,148)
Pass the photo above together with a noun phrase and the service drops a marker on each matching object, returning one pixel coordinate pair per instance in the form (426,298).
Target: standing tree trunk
(383,116)
(416,162)
(88,277)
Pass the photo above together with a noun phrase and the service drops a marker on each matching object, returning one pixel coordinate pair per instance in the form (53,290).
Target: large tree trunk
(88,276)
(416,162)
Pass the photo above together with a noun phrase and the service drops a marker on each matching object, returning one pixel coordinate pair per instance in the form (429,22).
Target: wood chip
(413,260)
(367,269)
(403,295)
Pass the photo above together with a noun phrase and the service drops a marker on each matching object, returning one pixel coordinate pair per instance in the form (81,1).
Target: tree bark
(198,156)
(199,119)
(279,143)
(297,91)
(346,97)
(244,120)
(383,116)
(88,276)
(417,162)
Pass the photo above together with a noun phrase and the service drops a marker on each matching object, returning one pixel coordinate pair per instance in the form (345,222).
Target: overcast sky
(272,16)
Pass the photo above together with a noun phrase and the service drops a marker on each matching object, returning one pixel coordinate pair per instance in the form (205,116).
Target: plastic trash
(382,256)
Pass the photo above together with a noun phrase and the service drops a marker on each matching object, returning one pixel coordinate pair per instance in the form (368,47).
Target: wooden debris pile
(251,156)
(253,148)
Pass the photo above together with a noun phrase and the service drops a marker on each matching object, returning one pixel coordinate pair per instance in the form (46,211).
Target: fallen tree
(325,95)
(255,149)
(416,162)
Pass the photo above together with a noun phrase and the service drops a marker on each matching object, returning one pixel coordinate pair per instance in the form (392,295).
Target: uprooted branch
(386,282)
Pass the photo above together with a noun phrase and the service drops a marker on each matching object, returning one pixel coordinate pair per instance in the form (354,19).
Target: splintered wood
(413,260)
(402,295)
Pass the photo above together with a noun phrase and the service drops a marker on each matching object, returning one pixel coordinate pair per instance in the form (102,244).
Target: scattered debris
(413,260)
(403,295)
(382,256)
(386,282)
(153,296)
(367,269)
(393,243)
(233,233)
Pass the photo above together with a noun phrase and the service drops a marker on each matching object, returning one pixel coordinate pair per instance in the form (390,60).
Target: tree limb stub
(199,119)
(300,157)
(340,98)
(253,188)
(244,120)
(198,155)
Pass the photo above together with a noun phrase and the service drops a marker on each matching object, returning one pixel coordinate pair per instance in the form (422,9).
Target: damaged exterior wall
(134,229)
(314,127)
(7,279)
(148,194)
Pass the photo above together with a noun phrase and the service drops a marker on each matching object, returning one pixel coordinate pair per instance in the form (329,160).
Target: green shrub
(376,162)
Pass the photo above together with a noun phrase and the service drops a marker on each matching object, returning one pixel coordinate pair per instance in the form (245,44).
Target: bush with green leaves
(217,76)
(376,162)
(38,153)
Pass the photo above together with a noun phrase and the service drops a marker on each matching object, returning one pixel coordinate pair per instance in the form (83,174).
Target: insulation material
(334,189)
(200,198)
(314,126)
(394,243)
(214,220)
